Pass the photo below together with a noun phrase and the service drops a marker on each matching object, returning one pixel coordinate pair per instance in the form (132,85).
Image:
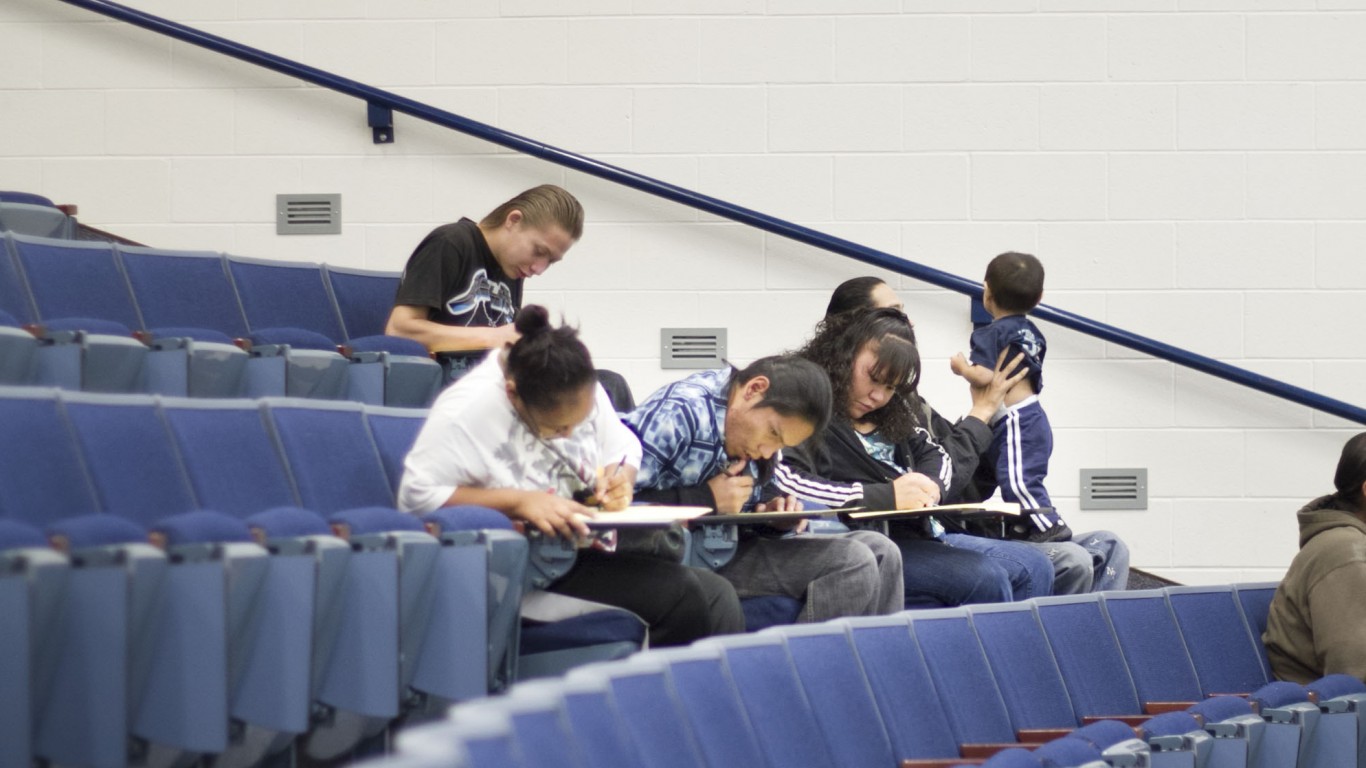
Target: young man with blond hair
(462,287)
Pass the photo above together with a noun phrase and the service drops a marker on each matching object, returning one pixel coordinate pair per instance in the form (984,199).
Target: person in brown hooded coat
(1317,622)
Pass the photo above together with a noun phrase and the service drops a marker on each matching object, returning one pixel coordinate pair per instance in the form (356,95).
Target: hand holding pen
(615,486)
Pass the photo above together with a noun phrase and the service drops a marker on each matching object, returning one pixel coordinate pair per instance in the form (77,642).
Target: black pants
(680,604)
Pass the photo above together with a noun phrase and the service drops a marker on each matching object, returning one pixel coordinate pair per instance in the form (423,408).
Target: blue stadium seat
(1176,740)
(31,575)
(594,719)
(839,692)
(364,299)
(394,430)
(1226,657)
(962,676)
(79,297)
(283,320)
(1340,733)
(193,318)
(665,738)
(709,700)
(1236,728)
(336,468)
(138,475)
(1291,723)
(235,467)
(1022,662)
(1153,650)
(290,302)
(902,686)
(1255,600)
(1089,656)
(784,723)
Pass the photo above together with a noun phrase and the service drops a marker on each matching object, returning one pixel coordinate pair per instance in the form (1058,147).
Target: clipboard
(645,516)
(955,510)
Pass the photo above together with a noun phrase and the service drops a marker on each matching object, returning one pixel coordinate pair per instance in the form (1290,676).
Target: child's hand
(959,364)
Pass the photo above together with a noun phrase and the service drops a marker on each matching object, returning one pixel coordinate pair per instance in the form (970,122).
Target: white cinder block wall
(1187,169)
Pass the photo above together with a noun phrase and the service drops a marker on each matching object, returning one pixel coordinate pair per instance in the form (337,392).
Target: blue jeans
(938,575)
(1029,567)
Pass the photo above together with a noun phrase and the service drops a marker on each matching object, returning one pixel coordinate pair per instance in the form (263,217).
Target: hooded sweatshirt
(1317,622)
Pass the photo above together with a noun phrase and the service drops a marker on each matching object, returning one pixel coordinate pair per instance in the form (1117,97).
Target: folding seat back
(594,721)
(395,430)
(902,686)
(709,699)
(1255,600)
(655,721)
(1221,647)
(183,290)
(1022,662)
(15,299)
(335,465)
(538,725)
(17,543)
(279,294)
(42,477)
(962,676)
(839,692)
(229,454)
(1340,737)
(1151,643)
(330,454)
(138,475)
(1089,656)
(1291,723)
(82,299)
(484,739)
(136,471)
(364,299)
(76,279)
(784,723)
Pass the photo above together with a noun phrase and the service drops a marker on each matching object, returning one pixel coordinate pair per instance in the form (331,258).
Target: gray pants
(850,574)
(1097,561)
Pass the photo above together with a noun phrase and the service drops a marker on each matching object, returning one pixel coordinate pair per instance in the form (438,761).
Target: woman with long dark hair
(875,454)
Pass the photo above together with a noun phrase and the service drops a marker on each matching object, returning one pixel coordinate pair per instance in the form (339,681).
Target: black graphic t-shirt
(454,275)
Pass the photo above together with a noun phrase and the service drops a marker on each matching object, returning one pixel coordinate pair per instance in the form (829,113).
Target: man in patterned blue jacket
(714,438)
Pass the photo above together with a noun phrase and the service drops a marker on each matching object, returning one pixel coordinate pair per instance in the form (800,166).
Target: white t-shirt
(474,438)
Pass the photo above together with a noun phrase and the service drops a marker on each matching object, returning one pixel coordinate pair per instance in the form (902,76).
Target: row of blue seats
(289,605)
(207,325)
(929,688)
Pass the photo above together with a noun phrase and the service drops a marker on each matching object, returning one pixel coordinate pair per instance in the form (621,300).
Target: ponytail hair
(1351,471)
(548,362)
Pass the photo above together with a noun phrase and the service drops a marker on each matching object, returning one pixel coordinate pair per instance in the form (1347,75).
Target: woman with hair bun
(1317,622)
(528,431)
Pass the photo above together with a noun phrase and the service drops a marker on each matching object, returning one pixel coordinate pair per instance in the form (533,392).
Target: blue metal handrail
(376,97)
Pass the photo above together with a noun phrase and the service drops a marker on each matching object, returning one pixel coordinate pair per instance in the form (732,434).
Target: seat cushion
(770,611)
(597,628)
(394,345)
(202,527)
(298,338)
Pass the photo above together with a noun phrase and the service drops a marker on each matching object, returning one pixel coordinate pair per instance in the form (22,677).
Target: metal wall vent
(1114,488)
(692,347)
(308,214)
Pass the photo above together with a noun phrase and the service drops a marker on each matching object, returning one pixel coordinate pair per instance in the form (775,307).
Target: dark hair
(854,293)
(1016,281)
(1351,472)
(796,387)
(548,362)
(838,341)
